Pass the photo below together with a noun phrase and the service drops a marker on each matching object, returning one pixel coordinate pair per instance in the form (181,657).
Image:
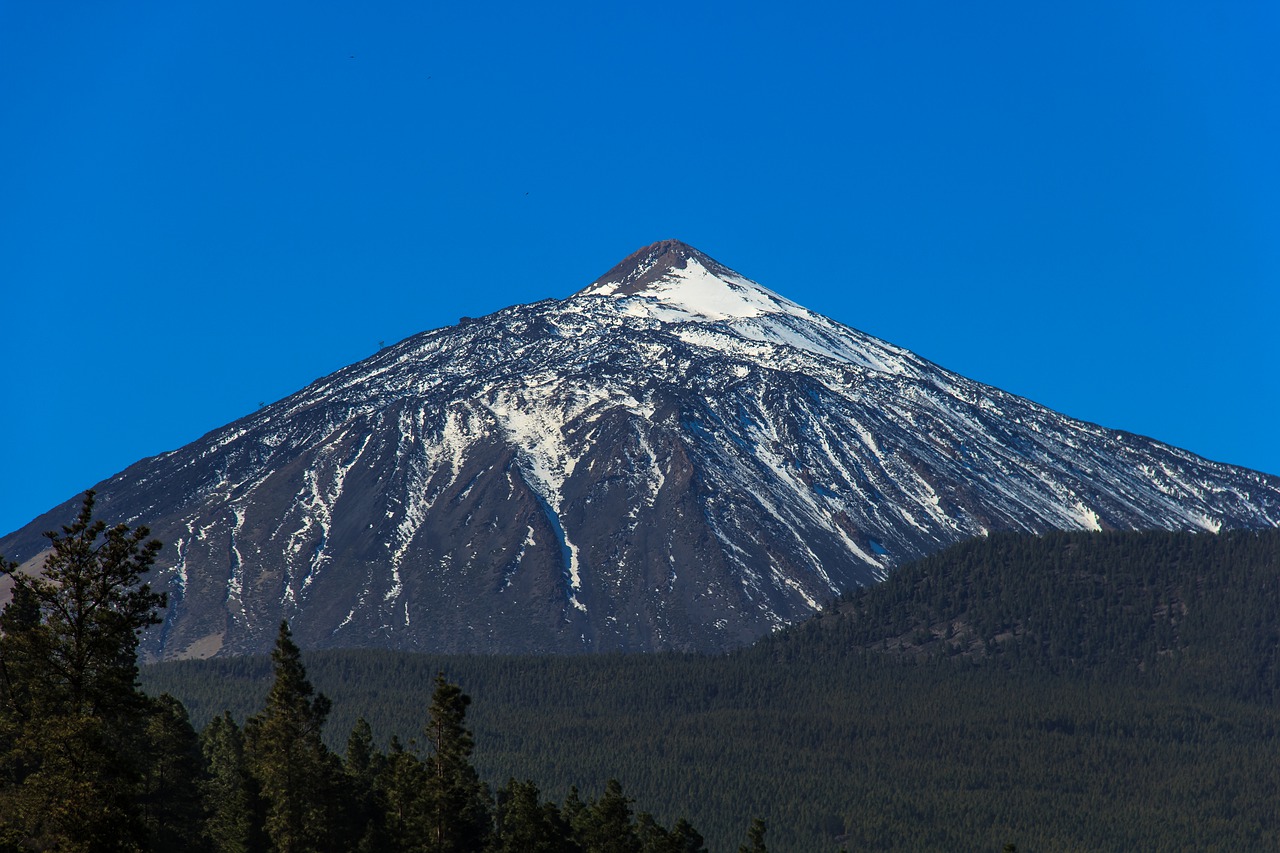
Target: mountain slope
(1198,610)
(673,457)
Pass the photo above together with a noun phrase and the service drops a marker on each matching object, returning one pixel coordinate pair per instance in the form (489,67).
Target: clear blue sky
(204,206)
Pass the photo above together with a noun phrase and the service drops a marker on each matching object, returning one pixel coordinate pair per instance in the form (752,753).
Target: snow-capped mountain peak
(672,458)
(671,280)
(673,285)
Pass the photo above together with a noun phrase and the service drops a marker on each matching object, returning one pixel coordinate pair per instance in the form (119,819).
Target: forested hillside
(1197,610)
(1073,691)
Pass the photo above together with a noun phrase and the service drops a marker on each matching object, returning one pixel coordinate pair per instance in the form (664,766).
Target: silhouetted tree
(458,802)
(73,751)
(296,773)
(172,806)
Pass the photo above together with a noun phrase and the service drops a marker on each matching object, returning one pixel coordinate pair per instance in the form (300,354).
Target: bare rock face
(672,458)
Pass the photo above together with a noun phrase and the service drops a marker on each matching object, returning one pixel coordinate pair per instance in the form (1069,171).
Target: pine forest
(1072,691)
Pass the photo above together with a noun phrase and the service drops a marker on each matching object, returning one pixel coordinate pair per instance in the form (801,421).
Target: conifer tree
(362,760)
(525,824)
(574,808)
(402,792)
(72,740)
(458,802)
(235,813)
(682,838)
(296,773)
(606,825)
(362,765)
(172,806)
(686,839)
(652,836)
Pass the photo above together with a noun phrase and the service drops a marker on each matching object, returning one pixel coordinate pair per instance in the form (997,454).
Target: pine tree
(606,825)
(574,808)
(362,765)
(73,749)
(402,793)
(230,792)
(172,806)
(652,836)
(524,824)
(296,773)
(458,802)
(681,838)
(686,839)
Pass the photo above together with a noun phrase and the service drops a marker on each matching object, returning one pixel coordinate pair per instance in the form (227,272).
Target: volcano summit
(672,458)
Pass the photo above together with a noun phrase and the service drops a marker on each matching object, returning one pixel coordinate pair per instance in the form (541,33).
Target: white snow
(180,569)
(695,291)
(235,583)
(1087,518)
(749,320)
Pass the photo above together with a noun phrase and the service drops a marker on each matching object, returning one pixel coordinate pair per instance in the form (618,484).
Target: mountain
(673,457)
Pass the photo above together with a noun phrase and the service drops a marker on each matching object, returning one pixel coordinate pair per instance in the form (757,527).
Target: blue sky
(205,206)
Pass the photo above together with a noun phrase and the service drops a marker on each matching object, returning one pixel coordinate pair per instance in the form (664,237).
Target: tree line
(91,764)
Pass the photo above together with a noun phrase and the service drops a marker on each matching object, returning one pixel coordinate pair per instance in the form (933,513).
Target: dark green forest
(1078,691)
(1112,691)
